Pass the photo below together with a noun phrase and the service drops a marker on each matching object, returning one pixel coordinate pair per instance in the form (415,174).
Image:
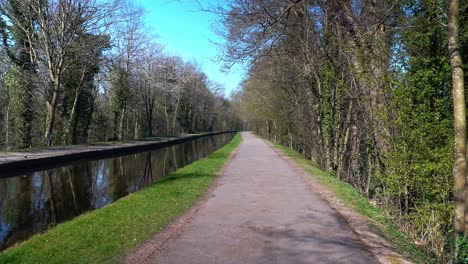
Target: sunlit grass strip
(106,234)
(351,197)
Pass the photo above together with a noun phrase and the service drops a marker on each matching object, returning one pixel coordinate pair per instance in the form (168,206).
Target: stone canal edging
(17,163)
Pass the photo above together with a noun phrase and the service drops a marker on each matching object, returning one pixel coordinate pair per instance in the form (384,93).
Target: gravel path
(263,212)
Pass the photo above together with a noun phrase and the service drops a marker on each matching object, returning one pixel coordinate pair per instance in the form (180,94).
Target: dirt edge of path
(142,253)
(369,234)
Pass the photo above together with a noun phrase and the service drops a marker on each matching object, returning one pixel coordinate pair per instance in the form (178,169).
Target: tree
(60,25)
(361,88)
(79,86)
(21,34)
(460,150)
(129,39)
(120,94)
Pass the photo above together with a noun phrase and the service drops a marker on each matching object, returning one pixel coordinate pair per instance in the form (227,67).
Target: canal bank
(106,234)
(33,202)
(17,163)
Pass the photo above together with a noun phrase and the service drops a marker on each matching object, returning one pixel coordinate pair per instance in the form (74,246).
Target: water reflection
(34,202)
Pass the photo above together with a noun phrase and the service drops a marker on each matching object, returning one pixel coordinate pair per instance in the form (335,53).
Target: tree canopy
(364,89)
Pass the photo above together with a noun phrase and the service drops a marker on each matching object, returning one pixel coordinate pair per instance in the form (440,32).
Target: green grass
(107,234)
(360,204)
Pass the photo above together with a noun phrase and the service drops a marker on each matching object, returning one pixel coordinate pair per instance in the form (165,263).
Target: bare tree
(130,36)
(60,24)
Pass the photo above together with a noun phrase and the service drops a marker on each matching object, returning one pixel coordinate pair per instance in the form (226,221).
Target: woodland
(78,71)
(371,90)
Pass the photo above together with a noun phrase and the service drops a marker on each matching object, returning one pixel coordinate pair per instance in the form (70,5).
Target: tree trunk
(51,109)
(89,120)
(70,132)
(149,115)
(136,127)
(116,125)
(27,116)
(459,112)
(120,134)
(166,115)
(190,117)
(269,129)
(7,126)
(175,113)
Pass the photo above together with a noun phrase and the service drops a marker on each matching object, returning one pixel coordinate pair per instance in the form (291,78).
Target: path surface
(263,212)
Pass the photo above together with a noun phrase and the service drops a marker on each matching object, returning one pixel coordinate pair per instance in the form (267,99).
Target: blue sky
(186,32)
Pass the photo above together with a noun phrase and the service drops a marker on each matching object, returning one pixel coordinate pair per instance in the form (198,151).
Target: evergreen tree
(17,41)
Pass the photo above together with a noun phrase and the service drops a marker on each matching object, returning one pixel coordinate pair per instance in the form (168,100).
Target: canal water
(36,201)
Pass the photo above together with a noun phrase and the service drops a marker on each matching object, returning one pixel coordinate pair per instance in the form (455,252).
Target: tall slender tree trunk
(89,120)
(120,134)
(459,112)
(27,115)
(116,125)
(51,109)
(269,129)
(166,115)
(136,127)
(190,118)
(70,131)
(149,106)
(175,113)
(7,126)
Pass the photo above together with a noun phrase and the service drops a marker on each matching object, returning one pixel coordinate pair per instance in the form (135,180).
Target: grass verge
(360,204)
(106,234)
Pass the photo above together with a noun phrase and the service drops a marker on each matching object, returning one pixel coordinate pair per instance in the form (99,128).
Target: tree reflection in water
(34,202)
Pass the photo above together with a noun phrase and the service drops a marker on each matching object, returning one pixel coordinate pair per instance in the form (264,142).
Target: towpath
(263,212)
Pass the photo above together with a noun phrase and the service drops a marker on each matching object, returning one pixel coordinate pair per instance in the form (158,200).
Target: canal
(33,202)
